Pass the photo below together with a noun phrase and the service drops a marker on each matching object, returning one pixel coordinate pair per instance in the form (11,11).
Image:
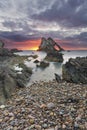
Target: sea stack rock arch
(49,45)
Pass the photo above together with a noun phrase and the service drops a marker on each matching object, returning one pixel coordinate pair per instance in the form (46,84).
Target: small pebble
(2,106)
(50,105)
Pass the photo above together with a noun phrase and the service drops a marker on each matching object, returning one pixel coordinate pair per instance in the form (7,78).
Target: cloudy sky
(25,21)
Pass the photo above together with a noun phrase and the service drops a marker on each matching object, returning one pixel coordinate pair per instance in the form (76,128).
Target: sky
(24,22)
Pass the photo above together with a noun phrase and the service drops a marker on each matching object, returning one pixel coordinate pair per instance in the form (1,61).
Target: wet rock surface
(46,106)
(9,77)
(43,64)
(54,56)
(10,80)
(75,70)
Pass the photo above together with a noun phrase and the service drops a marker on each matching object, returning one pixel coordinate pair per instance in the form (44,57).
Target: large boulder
(75,70)
(49,45)
(54,57)
(10,79)
(43,64)
(5,52)
(7,84)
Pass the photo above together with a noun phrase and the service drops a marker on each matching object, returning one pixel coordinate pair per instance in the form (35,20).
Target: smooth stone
(38,127)
(50,105)
(2,106)
(63,126)
(43,106)
(1,120)
(31,121)
(11,114)
(15,128)
(44,126)
(76,126)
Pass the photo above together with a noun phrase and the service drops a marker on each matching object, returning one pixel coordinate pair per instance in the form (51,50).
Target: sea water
(46,74)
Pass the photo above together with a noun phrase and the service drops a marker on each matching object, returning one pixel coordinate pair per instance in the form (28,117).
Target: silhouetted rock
(1,44)
(5,52)
(75,70)
(49,45)
(14,50)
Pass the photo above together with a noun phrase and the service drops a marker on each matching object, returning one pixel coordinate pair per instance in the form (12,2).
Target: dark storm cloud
(16,24)
(68,13)
(22,20)
(18,36)
(78,40)
(81,37)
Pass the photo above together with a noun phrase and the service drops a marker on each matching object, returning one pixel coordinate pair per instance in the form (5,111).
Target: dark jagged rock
(55,45)
(49,45)
(1,44)
(14,50)
(43,64)
(7,83)
(75,70)
(58,78)
(10,79)
(36,61)
(54,57)
(5,52)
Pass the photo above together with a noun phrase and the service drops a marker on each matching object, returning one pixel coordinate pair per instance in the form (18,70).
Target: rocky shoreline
(53,105)
(46,106)
(10,78)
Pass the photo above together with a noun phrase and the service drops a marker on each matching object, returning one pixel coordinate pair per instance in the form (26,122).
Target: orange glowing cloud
(34,44)
(28,45)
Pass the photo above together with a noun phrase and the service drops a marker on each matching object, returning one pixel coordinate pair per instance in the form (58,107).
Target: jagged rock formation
(10,79)
(4,52)
(43,64)
(14,50)
(7,84)
(49,45)
(75,70)
(1,44)
(52,49)
(58,78)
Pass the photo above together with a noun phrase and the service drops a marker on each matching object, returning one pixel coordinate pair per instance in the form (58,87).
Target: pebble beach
(46,106)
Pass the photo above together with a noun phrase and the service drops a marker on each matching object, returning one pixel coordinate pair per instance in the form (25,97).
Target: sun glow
(34,48)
